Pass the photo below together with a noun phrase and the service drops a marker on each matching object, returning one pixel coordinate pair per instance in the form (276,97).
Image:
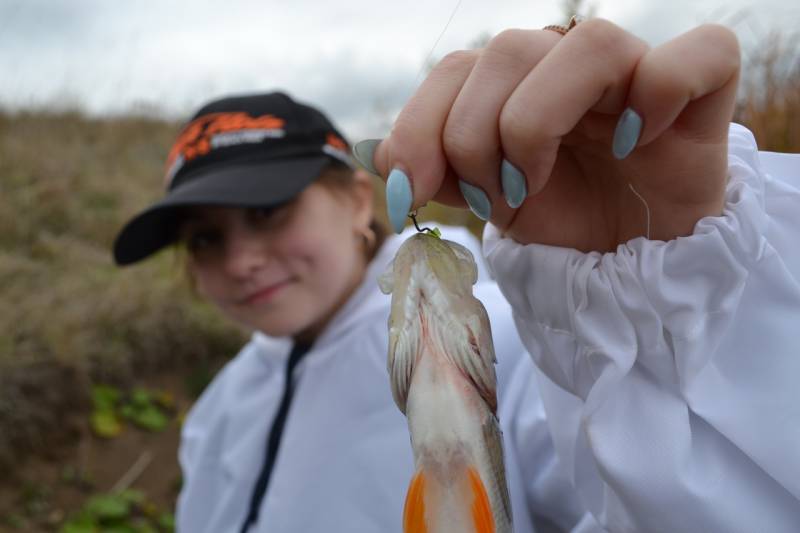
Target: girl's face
(283,271)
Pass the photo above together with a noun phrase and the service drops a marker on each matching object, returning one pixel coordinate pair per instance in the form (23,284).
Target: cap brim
(263,184)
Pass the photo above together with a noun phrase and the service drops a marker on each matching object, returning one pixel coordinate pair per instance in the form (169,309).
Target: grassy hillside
(70,317)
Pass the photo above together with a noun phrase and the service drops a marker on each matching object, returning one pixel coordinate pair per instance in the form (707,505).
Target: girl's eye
(261,213)
(200,240)
(266,217)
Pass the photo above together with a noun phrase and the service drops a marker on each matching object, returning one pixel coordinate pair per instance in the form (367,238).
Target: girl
(299,431)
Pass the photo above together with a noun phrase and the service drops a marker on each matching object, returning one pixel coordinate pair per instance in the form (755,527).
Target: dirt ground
(43,492)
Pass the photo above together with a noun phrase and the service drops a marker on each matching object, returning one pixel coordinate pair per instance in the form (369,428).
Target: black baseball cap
(246,151)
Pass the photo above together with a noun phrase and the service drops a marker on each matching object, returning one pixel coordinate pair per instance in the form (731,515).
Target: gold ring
(563,29)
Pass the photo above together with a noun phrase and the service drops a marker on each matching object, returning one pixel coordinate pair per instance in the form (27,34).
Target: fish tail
(414,511)
(481,507)
(477,500)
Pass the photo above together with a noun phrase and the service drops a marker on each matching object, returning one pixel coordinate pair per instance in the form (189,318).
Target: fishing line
(413,214)
(439,38)
(646,208)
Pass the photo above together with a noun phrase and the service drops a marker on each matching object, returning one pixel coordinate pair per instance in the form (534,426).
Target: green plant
(128,511)
(143,408)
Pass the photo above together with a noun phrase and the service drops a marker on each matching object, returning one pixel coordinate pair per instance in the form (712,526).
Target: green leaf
(105,423)
(108,507)
(76,527)
(141,398)
(120,528)
(127,411)
(167,522)
(436,232)
(132,496)
(105,397)
(150,418)
(83,522)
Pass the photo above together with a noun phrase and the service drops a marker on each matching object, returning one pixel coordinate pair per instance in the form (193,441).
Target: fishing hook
(413,216)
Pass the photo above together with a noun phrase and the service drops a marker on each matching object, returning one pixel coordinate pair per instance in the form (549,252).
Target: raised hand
(547,136)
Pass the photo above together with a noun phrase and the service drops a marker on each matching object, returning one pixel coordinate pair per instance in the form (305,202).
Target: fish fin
(493,439)
(465,337)
(403,348)
(405,330)
(414,510)
(481,507)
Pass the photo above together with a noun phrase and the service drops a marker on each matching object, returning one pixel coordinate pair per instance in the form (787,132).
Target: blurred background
(98,365)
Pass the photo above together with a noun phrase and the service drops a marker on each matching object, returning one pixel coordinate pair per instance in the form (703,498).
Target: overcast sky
(358,60)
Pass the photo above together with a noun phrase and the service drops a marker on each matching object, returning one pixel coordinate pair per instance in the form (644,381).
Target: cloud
(357,59)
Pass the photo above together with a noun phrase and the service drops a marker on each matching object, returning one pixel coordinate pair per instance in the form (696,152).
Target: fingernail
(398,198)
(515,188)
(476,199)
(627,133)
(364,151)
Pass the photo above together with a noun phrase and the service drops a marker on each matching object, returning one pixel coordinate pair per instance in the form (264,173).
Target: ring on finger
(564,28)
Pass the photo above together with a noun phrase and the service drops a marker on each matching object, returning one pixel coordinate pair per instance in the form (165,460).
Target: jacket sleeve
(552,503)
(669,369)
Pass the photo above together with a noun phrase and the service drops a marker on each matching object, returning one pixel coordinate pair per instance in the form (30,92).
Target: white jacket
(671,371)
(345,459)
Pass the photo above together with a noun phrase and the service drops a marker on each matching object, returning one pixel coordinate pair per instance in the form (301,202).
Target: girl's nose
(245,252)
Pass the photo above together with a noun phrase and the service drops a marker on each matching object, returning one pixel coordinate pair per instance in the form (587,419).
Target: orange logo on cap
(195,139)
(336,142)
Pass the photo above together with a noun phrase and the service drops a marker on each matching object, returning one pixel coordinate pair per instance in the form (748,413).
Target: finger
(588,70)
(471,138)
(412,157)
(702,64)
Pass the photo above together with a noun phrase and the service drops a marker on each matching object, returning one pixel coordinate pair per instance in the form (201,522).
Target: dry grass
(769,102)
(70,316)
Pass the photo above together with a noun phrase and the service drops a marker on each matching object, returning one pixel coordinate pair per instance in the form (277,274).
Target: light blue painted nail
(627,133)
(364,152)
(476,199)
(398,198)
(515,188)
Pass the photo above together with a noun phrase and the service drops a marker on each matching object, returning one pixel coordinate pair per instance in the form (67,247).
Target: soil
(44,491)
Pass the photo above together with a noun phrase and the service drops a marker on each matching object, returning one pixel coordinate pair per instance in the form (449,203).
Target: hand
(550,105)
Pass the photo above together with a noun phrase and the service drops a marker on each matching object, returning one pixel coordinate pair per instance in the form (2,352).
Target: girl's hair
(340,177)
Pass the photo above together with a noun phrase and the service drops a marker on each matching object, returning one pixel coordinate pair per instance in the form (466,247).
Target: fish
(441,364)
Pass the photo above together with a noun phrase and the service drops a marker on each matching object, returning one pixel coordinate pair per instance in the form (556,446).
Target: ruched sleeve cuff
(598,313)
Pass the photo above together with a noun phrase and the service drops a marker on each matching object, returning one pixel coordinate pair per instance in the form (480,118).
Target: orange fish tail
(481,508)
(414,511)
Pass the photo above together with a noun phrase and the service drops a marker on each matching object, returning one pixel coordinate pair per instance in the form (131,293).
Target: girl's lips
(264,295)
